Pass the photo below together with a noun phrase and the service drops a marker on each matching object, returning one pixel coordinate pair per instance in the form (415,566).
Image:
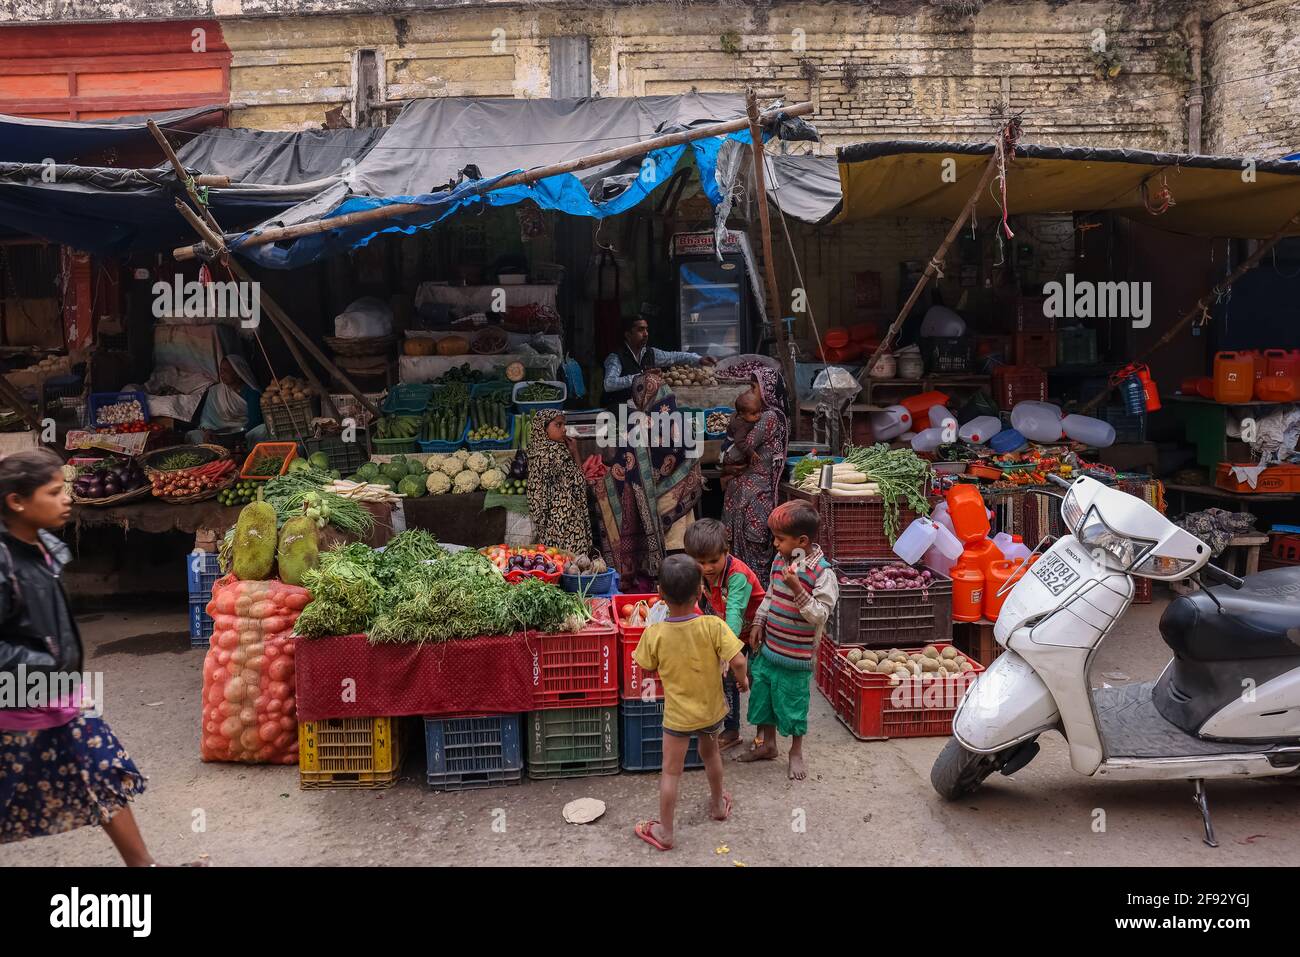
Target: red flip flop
(726,803)
(643,831)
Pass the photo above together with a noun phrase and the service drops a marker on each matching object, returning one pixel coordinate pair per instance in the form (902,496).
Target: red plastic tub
(873,710)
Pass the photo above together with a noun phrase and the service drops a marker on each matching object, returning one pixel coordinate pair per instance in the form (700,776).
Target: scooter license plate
(1055,573)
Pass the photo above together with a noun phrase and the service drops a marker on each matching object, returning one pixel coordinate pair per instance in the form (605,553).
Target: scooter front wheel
(957,771)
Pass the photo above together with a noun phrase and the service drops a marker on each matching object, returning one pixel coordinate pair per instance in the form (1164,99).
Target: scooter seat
(1260,620)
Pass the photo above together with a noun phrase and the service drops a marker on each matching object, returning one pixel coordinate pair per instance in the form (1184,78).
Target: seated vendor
(635,356)
(232,404)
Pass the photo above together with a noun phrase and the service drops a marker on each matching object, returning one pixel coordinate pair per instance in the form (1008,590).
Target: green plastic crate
(572,742)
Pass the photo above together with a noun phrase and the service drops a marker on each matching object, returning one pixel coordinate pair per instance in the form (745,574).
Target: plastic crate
(1141,590)
(400,446)
(407,398)
(873,710)
(853,528)
(1037,349)
(442,446)
(642,729)
(1128,426)
(202,569)
(200,621)
(100,399)
(486,445)
(975,640)
(576,670)
(349,753)
(874,619)
(480,751)
(1076,346)
(1275,479)
(1285,547)
(631,677)
(535,406)
(59,387)
(290,450)
(346,457)
(349,408)
(948,354)
(824,665)
(572,742)
(1012,384)
(287,420)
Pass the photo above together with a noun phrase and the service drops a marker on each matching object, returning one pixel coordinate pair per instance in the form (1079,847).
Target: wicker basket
(136,493)
(362,346)
(213,453)
(201,496)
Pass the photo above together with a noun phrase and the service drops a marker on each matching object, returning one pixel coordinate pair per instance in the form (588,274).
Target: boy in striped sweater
(787,626)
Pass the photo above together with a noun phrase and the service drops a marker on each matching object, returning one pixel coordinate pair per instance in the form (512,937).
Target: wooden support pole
(281,233)
(14,399)
(1202,304)
(932,267)
(774,310)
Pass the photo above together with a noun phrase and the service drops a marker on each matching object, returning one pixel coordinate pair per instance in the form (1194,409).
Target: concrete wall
(1244,112)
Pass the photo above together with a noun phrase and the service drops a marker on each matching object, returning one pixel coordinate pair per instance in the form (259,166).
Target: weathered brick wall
(1245,112)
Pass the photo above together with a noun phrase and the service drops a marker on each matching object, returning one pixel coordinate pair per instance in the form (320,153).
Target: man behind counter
(635,357)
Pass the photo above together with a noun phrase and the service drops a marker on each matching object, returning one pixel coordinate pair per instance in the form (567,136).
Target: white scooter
(1227,705)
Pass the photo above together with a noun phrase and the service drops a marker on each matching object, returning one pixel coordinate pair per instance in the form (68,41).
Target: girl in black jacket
(59,768)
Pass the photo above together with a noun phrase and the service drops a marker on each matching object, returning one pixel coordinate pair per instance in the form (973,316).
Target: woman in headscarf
(234,403)
(557,491)
(647,497)
(754,466)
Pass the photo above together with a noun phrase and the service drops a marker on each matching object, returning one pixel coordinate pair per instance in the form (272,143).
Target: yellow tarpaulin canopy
(1212,195)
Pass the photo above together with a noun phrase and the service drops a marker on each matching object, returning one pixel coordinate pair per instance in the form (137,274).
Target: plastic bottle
(920,404)
(1012,547)
(928,440)
(941,418)
(970,519)
(998,584)
(1037,421)
(1234,377)
(967,593)
(935,560)
(981,554)
(1008,440)
(979,430)
(1089,431)
(940,516)
(890,423)
(915,540)
(948,544)
(942,322)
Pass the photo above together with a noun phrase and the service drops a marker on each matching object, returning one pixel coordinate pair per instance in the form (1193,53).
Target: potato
(967,666)
(864,666)
(930,651)
(868,653)
(929,664)
(949,653)
(899,657)
(916,668)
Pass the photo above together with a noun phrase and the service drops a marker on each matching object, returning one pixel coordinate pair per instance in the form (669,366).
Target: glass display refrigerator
(712,295)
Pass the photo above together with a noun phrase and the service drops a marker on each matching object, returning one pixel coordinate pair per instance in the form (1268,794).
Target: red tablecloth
(347,677)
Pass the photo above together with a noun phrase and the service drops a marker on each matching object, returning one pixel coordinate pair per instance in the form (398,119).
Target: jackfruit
(299,549)
(255,542)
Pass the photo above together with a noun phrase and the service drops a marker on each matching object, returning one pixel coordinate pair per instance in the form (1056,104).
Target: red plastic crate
(577,670)
(1142,591)
(1012,384)
(873,710)
(1037,349)
(1285,548)
(827,661)
(630,673)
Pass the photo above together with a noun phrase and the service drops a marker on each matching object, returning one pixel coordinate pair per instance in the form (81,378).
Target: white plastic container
(1011,547)
(915,540)
(941,418)
(927,440)
(910,365)
(980,429)
(885,367)
(937,561)
(1089,431)
(940,517)
(1037,421)
(942,322)
(946,541)
(891,423)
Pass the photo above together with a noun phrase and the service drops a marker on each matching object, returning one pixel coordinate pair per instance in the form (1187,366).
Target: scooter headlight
(1103,541)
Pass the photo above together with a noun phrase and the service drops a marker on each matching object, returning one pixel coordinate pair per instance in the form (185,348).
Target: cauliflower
(465,481)
(451,466)
(492,478)
(434,462)
(478,462)
(438,483)
(460,455)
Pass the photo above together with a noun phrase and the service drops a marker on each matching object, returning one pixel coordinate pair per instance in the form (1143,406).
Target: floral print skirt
(60,779)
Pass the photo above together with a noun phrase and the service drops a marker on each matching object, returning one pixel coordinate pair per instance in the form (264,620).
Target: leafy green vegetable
(806,466)
(901,474)
(303,491)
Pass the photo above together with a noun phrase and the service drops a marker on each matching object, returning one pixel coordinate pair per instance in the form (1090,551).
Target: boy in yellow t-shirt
(686,650)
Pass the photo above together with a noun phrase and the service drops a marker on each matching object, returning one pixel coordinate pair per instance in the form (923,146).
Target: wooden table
(1214,492)
(1242,554)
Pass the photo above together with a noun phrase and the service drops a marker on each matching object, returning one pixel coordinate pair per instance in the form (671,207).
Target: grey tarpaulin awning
(805,187)
(24,139)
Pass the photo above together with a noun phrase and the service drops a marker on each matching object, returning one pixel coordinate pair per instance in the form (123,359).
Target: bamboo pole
(1202,304)
(932,268)
(281,233)
(14,399)
(769,265)
(206,226)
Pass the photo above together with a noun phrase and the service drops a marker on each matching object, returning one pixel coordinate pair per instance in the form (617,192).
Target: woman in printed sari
(753,467)
(647,497)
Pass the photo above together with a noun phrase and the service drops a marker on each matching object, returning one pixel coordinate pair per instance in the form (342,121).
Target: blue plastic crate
(1128,426)
(792,460)
(538,406)
(595,586)
(200,623)
(407,398)
(643,737)
(100,399)
(483,445)
(202,570)
(476,752)
(438,445)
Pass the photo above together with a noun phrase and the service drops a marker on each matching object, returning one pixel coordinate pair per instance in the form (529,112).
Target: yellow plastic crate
(349,753)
